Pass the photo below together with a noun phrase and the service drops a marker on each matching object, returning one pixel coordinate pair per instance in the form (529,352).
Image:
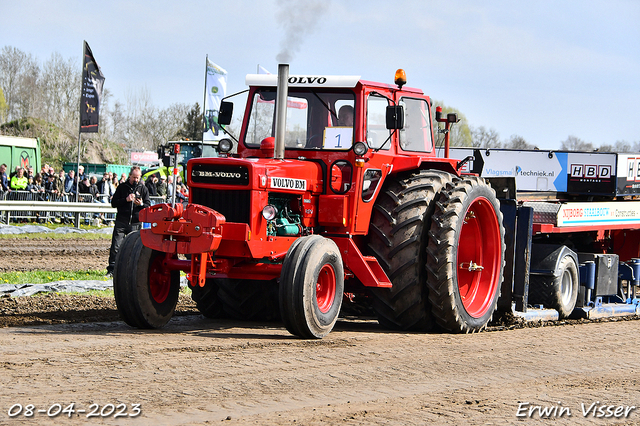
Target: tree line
(464,135)
(49,93)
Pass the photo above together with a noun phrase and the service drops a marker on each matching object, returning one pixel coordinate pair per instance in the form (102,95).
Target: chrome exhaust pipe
(281,109)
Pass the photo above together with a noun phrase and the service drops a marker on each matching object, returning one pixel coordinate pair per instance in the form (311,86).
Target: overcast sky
(540,69)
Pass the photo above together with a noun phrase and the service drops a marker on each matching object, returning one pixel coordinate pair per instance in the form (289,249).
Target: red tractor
(335,197)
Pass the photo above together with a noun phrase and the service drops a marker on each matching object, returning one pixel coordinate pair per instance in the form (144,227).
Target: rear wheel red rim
(159,280)
(326,288)
(479,257)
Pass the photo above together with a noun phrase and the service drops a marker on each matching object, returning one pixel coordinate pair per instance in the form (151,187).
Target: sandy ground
(200,371)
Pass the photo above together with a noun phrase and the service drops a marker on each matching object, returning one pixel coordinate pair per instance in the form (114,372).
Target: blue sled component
(608,310)
(534,314)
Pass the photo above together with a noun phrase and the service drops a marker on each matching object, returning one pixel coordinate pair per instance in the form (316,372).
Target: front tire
(311,287)
(465,256)
(146,293)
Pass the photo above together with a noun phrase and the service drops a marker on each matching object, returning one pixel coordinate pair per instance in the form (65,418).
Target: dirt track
(53,255)
(199,371)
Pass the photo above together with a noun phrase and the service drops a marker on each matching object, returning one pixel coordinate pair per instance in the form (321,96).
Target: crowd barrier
(19,206)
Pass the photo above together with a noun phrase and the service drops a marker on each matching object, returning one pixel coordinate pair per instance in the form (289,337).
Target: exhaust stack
(281,109)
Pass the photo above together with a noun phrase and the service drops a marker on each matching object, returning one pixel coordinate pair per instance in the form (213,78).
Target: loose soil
(53,255)
(202,371)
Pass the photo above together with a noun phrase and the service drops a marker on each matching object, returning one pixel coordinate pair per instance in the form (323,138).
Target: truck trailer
(333,198)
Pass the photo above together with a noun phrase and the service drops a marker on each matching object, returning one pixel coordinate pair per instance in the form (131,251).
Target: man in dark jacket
(130,197)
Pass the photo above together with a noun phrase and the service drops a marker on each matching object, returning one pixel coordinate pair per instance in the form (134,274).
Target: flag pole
(84,53)
(204,102)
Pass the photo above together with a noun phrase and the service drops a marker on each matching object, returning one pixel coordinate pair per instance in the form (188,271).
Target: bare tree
(483,138)
(13,63)
(518,142)
(573,143)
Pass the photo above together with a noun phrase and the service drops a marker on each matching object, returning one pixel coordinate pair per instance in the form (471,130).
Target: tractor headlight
(360,148)
(225,145)
(269,212)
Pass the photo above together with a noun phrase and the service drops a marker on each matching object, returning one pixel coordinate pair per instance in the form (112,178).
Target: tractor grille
(235,205)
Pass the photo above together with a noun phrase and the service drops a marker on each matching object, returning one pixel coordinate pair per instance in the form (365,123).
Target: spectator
(60,182)
(161,187)
(84,188)
(93,188)
(44,171)
(105,189)
(19,181)
(130,197)
(51,186)
(37,187)
(169,187)
(123,178)
(81,174)
(14,172)
(151,185)
(30,184)
(4,180)
(70,183)
(30,172)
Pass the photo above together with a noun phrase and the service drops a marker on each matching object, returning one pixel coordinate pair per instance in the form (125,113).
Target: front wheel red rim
(479,258)
(326,288)
(159,280)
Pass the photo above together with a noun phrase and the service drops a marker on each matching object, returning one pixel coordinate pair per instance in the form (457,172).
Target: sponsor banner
(288,183)
(572,172)
(216,89)
(92,82)
(599,213)
(144,157)
(628,174)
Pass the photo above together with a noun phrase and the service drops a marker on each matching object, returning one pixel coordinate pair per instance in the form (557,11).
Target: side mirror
(225,113)
(395,117)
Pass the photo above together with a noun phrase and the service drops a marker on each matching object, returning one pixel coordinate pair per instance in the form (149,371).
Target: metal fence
(17,206)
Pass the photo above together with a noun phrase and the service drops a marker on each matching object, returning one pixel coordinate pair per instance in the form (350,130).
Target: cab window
(416,134)
(377,132)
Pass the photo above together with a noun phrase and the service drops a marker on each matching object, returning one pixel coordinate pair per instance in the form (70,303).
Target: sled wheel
(207,300)
(146,294)
(311,287)
(559,293)
(398,238)
(465,256)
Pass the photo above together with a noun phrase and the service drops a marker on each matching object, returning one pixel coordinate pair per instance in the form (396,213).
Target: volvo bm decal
(288,183)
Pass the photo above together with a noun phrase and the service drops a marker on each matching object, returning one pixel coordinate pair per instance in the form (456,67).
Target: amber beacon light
(400,78)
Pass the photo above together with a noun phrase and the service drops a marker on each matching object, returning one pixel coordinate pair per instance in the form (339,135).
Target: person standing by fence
(130,197)
(4,181)
(19,181)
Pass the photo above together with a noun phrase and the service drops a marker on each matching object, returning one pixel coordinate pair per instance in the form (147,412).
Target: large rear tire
(146,293)
(465,256)
(397,238)
(249,300)
(207,300)
(311,287)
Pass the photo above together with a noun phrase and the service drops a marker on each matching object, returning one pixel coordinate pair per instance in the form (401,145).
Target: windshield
(316,119)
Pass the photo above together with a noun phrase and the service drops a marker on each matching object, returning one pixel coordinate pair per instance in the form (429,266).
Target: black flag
(92,81)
